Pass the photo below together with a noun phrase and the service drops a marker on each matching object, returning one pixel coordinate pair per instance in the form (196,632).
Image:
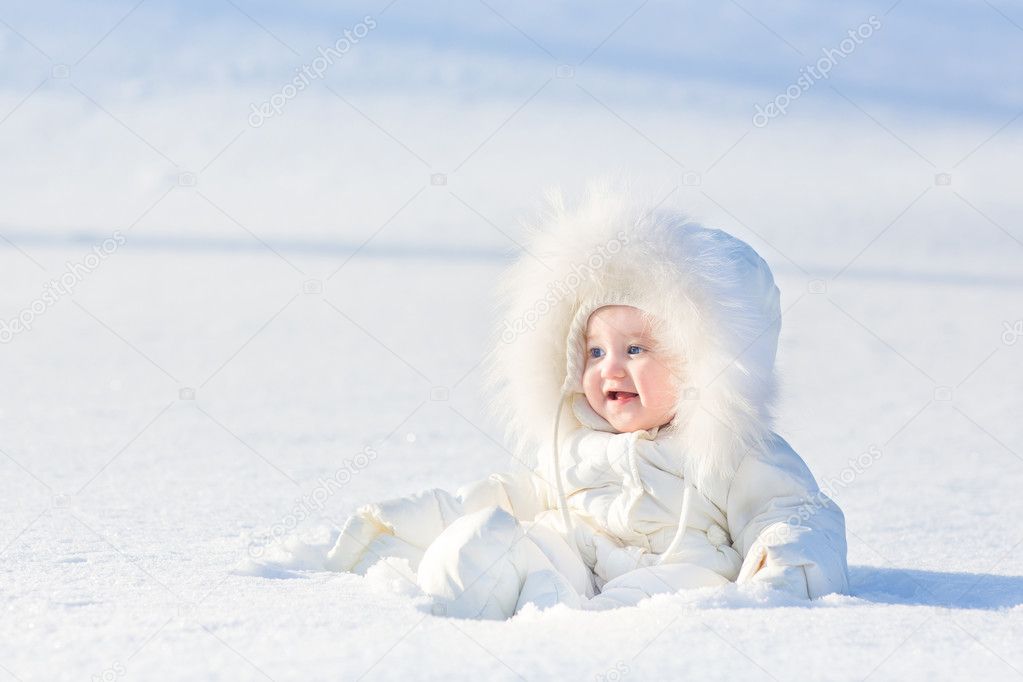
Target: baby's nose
(614,368)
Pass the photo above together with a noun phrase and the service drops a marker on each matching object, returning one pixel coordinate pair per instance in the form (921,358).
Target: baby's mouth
(621,396)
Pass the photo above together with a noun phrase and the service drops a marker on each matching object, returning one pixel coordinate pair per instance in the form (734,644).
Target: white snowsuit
(599,519)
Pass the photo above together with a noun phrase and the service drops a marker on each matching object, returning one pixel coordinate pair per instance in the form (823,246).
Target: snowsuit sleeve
(789,533)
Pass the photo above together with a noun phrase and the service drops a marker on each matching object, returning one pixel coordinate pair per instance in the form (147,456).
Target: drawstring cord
(562,500)
(683,522)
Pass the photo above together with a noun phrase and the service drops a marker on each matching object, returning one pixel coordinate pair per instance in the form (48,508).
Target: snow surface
(314,310)
(135,522)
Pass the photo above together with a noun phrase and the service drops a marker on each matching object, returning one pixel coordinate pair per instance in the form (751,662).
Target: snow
(300,331)
(136,522)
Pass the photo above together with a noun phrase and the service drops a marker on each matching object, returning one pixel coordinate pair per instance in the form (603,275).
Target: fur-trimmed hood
(714,294)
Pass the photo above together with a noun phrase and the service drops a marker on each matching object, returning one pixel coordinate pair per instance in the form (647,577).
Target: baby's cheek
(592,394)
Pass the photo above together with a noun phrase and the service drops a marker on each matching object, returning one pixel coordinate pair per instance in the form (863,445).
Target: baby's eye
(634,350)
(596,352)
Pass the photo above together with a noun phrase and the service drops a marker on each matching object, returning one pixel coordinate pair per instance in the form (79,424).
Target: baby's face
(627,381)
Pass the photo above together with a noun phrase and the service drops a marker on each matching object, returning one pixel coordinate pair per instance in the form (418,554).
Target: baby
(663,474)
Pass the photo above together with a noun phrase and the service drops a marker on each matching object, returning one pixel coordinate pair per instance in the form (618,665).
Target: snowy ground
(130,514)
(298,303)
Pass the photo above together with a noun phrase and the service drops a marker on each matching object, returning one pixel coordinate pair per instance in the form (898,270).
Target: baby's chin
(635,424)
(629,421)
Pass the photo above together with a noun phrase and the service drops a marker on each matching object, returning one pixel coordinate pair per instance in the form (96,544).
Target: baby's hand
(788,579)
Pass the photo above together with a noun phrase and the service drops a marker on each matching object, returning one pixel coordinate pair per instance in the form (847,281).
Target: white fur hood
(715,294)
